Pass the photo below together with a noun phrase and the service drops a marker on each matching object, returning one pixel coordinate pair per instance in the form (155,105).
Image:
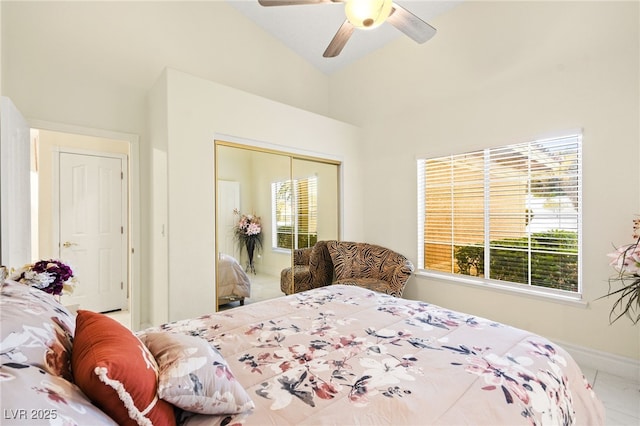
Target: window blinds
(307,211)
(295,209)
(509,213)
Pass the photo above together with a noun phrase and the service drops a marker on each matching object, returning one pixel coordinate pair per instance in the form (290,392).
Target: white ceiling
(308,29)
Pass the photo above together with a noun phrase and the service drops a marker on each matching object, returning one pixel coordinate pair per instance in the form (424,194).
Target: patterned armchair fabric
(312,268)
(302,257)
(370,266)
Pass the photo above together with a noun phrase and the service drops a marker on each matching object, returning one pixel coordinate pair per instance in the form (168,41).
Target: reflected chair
(312,268)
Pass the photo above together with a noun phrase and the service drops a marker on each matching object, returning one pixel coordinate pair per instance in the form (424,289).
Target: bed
(345,355)
(233,282)
(332,355)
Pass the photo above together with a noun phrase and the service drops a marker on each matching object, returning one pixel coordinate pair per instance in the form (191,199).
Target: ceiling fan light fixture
(367,14)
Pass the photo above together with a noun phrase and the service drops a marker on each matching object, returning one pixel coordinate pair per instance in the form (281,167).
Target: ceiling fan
(367,14)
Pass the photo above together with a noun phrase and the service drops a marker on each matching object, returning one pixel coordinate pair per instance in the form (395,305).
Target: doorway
(49,143)
(92,227)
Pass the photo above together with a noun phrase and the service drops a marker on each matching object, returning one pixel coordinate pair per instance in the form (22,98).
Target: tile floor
(263,287)
(620,395)
(123,317)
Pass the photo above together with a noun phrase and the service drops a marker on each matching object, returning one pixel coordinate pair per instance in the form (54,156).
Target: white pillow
(194,376)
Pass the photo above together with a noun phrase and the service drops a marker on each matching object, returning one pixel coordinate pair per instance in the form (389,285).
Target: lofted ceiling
(308,29)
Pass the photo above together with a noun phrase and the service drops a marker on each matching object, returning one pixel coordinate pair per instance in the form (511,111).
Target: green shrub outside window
(552,269)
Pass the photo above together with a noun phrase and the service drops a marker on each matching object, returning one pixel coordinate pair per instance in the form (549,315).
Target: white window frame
(294,212)
(570,297)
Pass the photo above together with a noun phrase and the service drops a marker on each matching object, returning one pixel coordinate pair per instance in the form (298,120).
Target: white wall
(94,64)
(1,29)
(200,111)
(499,73)
(15,187)
(97,60)
(496,72)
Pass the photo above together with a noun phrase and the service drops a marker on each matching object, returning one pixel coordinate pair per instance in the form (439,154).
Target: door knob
(68,244)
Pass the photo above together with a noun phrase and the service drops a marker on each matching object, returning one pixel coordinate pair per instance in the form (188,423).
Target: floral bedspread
(346,355)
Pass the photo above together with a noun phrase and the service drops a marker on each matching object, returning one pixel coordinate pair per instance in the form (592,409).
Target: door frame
(15,188)
(55,201)
(133,202)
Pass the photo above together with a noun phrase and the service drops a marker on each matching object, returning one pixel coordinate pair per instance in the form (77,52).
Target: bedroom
(102,67)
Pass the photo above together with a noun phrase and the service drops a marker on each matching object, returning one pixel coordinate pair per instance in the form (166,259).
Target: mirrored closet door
(268,204)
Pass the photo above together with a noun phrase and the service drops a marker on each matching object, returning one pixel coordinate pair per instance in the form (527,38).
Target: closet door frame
(257,147)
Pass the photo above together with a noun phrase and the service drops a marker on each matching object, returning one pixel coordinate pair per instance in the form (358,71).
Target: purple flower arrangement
(51,276)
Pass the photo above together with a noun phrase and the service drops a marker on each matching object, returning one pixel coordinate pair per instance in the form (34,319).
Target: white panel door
(93,229)
(15,187)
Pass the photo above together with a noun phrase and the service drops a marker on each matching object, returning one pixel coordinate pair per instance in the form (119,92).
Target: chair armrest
(302,256)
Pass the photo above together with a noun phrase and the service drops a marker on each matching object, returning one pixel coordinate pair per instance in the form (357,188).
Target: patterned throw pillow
(194,376)
(31,396)
(114,368)
(36,329)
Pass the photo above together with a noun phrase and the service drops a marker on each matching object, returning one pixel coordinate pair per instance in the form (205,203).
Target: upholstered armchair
(312,268)
(370,266)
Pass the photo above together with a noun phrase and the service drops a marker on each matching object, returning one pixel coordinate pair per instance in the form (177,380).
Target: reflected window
(295,213)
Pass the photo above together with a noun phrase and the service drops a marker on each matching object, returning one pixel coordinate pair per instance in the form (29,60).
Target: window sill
(280,250)
(538,294)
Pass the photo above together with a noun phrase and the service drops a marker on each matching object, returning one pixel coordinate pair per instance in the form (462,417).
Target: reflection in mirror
(315,216)
(317,201)
(243,184)
(276,201)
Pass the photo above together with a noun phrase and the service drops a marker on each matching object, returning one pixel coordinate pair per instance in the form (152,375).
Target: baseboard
(603,361)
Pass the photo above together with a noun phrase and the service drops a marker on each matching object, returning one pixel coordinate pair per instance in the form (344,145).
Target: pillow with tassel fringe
(117,372)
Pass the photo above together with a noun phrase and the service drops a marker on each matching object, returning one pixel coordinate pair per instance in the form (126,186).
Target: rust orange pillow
(117,372)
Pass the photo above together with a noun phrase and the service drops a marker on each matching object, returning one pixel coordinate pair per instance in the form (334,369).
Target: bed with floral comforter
(346,355)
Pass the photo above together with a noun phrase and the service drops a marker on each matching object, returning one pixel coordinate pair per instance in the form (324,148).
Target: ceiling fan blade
(294,2)
(339,40)
(410,24)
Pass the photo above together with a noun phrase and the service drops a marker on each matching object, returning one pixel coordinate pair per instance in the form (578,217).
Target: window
(510,214)
(295,213)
